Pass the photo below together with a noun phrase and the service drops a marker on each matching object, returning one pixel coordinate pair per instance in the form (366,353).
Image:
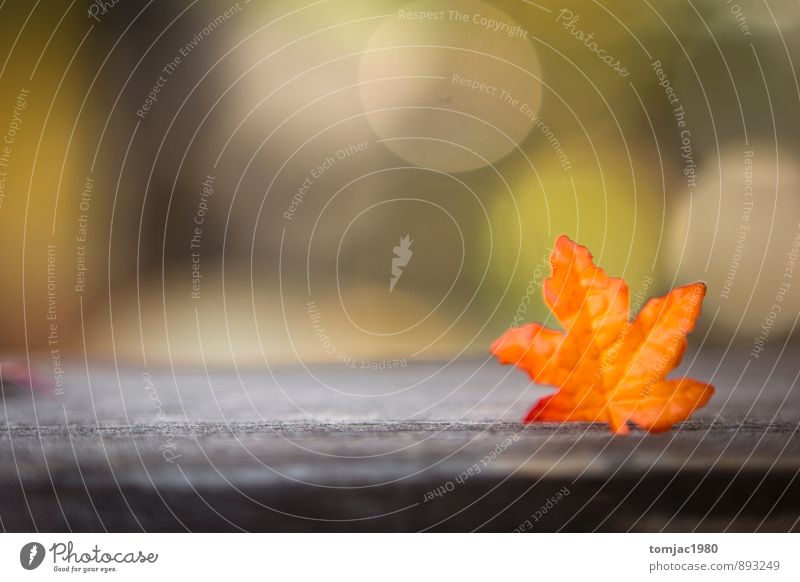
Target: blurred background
(373,183)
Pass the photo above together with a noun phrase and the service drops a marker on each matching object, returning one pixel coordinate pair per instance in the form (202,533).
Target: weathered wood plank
(424,447)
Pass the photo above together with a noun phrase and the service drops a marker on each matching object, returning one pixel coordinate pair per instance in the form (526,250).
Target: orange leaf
(606,368)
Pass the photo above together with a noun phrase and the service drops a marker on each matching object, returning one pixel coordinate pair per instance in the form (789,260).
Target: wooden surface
(432,446)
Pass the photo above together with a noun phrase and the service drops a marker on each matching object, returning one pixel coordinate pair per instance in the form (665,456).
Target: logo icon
(402,254)
(31,555)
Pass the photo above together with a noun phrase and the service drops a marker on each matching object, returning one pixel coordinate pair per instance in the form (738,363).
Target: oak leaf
(607,368)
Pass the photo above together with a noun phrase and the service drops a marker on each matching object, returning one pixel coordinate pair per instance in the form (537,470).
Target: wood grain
(336,449)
